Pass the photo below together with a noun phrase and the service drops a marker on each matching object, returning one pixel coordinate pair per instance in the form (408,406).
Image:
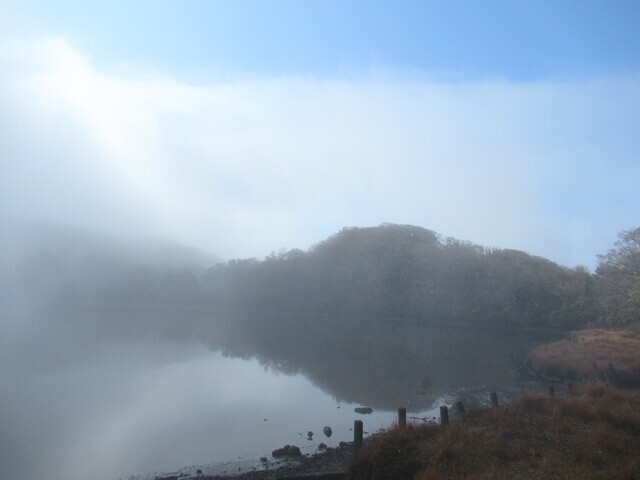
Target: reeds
(593,434)
(596,353)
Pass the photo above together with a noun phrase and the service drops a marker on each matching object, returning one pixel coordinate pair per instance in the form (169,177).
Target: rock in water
(322,447)
(310,434)
(287,451)
(327,431)
(363,410)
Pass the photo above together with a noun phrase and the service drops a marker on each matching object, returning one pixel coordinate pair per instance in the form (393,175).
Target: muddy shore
(330,463)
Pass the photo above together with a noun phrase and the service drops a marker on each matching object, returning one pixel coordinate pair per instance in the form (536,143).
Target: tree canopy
(618,274)
(410,272)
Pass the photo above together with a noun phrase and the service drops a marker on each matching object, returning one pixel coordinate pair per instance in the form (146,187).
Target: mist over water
(108,372)
(153,154)
(74,388)
(84,406)
(133,409)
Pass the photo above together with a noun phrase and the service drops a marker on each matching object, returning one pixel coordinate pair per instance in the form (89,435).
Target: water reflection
(104,410)
(385,363)
(92,394)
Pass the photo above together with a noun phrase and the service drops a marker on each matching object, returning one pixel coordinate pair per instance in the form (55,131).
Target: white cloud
(246,167)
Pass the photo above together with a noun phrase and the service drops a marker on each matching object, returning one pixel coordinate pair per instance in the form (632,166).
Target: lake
(87,403)
(135,407)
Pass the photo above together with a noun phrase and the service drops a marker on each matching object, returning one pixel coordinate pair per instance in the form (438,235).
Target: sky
(246,127)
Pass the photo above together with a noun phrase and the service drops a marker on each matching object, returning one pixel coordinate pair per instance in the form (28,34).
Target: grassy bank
(593,433)
(597,354)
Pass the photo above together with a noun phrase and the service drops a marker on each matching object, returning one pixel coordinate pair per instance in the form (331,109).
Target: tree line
(411,272)
(394,271)
(382,315)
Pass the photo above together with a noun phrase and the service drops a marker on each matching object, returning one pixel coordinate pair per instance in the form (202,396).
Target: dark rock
(310,434)
(263,459)
(363,410)
(327,431)
(344,444)
(287,451)
(322,446)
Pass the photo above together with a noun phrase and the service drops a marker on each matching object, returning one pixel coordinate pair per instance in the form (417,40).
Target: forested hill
(397,271)
(410,272)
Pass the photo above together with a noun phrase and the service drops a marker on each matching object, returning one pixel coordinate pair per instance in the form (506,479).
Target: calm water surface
(116,393)
(118,408)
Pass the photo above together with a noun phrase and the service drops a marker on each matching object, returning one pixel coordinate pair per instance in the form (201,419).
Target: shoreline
(326,464)
(336,460)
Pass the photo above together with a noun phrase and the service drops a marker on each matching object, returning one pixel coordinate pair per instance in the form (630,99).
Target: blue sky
(245,127)
(515,40)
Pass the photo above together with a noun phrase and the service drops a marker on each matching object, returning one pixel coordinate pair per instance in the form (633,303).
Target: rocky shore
(289,462)
(327,464)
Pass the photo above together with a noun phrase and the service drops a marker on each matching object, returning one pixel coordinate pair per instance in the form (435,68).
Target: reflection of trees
(470,306)
(381,363)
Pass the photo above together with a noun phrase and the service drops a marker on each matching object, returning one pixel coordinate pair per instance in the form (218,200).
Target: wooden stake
(357,434)
(402,417)
(444,415)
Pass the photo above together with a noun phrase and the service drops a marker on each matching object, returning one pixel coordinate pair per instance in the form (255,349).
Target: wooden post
(357,434)
(552,390)
(494,399)
(460,407)
(402,417)
(444,415)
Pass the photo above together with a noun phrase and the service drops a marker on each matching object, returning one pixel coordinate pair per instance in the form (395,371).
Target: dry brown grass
(592,434)
(574,357)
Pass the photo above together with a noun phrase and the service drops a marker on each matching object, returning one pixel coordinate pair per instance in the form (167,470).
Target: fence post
(402,417)
(357,434)
(444,415)
(494,399)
